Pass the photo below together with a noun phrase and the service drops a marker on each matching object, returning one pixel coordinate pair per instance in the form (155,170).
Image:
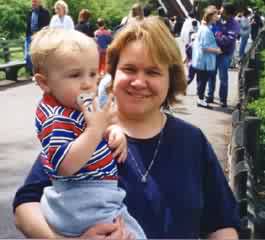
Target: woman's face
(140,86)
(60,10)
(214,18)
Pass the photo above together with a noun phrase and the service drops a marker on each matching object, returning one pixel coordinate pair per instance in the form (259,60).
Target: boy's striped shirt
(57,127)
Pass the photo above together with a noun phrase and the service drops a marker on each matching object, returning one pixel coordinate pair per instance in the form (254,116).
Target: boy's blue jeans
(71,207)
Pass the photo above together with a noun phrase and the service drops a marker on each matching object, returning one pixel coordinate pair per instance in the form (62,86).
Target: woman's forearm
(225,233)
(30,221)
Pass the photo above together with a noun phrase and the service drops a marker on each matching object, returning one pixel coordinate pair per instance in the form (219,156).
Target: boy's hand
(99,118)
(117,142)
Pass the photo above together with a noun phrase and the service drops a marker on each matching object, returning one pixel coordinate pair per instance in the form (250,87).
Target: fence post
(250,78)
(253,94)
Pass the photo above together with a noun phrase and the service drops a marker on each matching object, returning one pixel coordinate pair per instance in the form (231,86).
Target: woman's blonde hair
(209,13)
(160,45)
(62,4)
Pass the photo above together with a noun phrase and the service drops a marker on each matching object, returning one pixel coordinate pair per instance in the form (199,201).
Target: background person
(172,191)
(103,38)
(226,33)
(61,19)
(84,24)
(256,24)
(245,29)
(136,13)
(204,51)
(37,18)
(187,27)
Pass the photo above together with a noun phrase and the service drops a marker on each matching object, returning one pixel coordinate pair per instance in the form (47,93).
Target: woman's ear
(42,81)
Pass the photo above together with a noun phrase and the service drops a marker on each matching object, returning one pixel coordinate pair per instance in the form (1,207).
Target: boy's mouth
(86,99)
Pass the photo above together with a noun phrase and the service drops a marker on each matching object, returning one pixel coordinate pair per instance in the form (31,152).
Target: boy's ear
(42,81)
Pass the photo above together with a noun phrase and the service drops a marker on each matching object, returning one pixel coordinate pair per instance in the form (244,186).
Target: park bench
(8,48)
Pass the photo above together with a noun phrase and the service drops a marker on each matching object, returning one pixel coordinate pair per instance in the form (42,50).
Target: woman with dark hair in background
(83,24)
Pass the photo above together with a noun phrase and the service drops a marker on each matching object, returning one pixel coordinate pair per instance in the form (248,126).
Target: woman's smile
(138,95)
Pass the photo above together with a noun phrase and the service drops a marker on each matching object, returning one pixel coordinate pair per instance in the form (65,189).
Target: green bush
(13,18)
(257,107)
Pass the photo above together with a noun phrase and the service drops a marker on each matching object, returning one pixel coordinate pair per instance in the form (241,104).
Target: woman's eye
(153,73)
(129,70)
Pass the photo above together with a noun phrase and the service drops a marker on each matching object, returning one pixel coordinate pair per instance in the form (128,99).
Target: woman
(61,19)
(204,51)
(175,185)
(136,13)
(83,24)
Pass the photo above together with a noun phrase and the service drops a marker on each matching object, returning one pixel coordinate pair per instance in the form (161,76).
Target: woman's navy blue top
(186,194)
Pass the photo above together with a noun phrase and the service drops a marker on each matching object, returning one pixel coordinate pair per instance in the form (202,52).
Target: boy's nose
(88,85)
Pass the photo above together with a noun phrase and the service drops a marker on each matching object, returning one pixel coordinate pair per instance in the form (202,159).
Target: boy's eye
(93,74)
(74,75)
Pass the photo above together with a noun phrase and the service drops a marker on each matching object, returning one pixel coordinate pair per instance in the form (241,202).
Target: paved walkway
(19,146)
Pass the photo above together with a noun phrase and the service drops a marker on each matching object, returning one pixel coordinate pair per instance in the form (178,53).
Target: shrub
(257,107)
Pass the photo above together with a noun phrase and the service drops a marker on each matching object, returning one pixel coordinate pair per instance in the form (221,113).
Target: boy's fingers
(111,139)
(109,102)
(118,151)
(94,104)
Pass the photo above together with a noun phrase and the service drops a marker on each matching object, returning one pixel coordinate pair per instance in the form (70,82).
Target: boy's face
(71,74)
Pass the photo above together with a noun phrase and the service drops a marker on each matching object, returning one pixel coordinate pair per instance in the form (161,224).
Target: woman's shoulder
(179,126)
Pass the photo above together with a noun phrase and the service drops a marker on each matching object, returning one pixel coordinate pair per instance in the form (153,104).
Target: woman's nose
(139,81)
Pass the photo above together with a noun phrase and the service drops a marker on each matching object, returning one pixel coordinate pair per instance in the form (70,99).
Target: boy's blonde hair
(50,42)
(161,47)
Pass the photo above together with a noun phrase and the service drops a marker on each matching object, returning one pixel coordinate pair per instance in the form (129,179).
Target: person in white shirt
(187,28)
(61,19)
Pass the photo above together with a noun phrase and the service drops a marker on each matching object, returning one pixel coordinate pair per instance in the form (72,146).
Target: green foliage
(13,18)
(257,107)
(13,13)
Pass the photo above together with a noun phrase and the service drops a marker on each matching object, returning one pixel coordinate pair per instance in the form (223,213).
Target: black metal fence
(247,175)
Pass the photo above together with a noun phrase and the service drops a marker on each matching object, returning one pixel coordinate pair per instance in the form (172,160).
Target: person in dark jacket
(37,18)
(256,24)
(84,24)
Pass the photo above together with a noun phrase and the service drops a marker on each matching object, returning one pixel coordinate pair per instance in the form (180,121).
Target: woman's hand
(109,231)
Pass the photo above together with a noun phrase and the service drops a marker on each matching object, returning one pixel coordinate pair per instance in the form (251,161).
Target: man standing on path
(226,32)
(37,18)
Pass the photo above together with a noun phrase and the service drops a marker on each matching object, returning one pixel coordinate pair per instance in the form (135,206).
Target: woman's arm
(225,233)
(31,222)
(213,50)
